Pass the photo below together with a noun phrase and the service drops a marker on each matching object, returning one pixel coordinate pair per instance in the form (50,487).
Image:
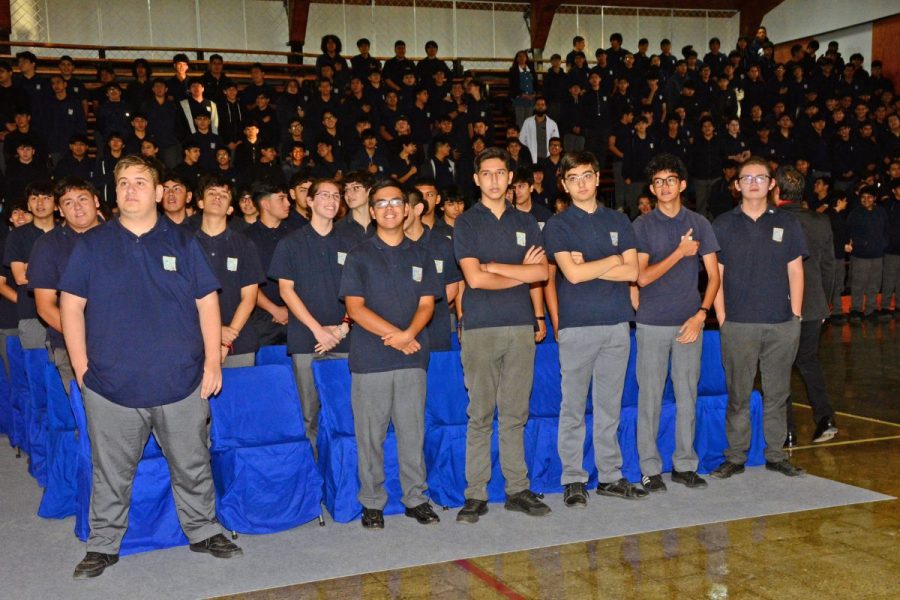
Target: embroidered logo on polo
(341,257)
(417,274)
(169,263)
(439,265)
(614,238)
(777,234)
(231,263)
(520,238)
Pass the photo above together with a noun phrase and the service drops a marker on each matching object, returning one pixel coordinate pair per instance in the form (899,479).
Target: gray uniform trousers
(498,363)
(890,280)
(6,333)
(865,280)
(774,347)
(309,395)
(60,358)
(840,275)
(32,334)
(118,436)
(655,344)
(600,353)
(378,399)
(234,361)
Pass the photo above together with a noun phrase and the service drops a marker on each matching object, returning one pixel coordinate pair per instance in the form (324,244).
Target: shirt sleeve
(640,235)
(465,242)
(707,237)
(533,232)
(353,278)
(798,240)
(719,229)
(14,248)
(76,277)
(280,267)
(431,283)
(251,267)
(627,238)
(555,238)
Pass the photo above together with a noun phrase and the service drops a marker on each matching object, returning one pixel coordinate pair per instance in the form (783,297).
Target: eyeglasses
(585,177)
(671,181)
(332,195)
(749,179)
(395,202)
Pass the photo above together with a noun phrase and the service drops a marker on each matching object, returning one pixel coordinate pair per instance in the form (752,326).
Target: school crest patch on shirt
(169,263)
(614,238)
(439,266)
(417,274)
(341,257)
(231,263)
(777,234)
(520,238)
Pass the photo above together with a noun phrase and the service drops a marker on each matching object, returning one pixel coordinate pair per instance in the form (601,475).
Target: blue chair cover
(58,500)
(18,393)
(709,439)
(152,519)
(263,468)
(338,460)
(272,355)
(5,403)
(712,373)
(36,414)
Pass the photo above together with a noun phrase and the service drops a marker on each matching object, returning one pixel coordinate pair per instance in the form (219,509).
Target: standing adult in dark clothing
(818,271)
(837,215)
(162,118)
(706,164)
(867,226)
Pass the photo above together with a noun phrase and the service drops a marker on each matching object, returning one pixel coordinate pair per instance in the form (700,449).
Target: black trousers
(810,369)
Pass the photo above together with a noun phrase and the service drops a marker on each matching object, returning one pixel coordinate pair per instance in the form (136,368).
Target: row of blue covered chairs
(263,469)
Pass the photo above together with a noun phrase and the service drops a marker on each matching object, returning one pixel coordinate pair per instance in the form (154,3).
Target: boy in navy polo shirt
(500,255)
(389,283)
(80,209)
(670,318)
(758,307)
(867,226)
(235,262)
(271,315)
(594,250)
(19,244)
(357,223)
(445,265)
(178,191)
(307,265)
(124,286)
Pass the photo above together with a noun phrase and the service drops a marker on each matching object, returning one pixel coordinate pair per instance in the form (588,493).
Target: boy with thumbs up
(670,318)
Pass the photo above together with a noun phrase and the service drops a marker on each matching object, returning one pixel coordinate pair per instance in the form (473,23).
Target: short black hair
(578,159)
(383,183)
(491,153)
(665,162)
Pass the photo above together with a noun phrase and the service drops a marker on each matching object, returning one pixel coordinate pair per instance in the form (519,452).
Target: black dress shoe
(575,495)
(838,319)
(372,518)
(785,467)
(856,316)
(93,564)
(622,489)
(423,513)
(218,546)
(825,430)
(471,510)
(526,502)
(653,483)
(688,478)
(726,470)
(790,440)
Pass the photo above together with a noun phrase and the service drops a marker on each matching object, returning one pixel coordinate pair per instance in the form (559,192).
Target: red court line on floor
(489,579)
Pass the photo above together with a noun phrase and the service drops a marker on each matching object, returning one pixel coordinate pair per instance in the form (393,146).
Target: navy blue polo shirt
(266,240)
(235,262)
(18,249)
(314,263)
(144,343)
(49,258)
(392,280)
(479,234)
(755,255)
(673,298)
(9,319)
(295,220)
(596,235)
(350,228)
(448,272)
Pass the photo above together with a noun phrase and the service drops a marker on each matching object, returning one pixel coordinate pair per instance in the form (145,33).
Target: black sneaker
(622,489)
(785,467)
(218,546)
(838,319)
(825,430)
(575,495)
(653,483)
(527,502)
(726,470)
(688,478)
(93,564)
(423,513)
(471,510)
(372,518)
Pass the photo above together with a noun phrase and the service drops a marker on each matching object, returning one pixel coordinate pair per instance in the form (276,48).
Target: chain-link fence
(237,24)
